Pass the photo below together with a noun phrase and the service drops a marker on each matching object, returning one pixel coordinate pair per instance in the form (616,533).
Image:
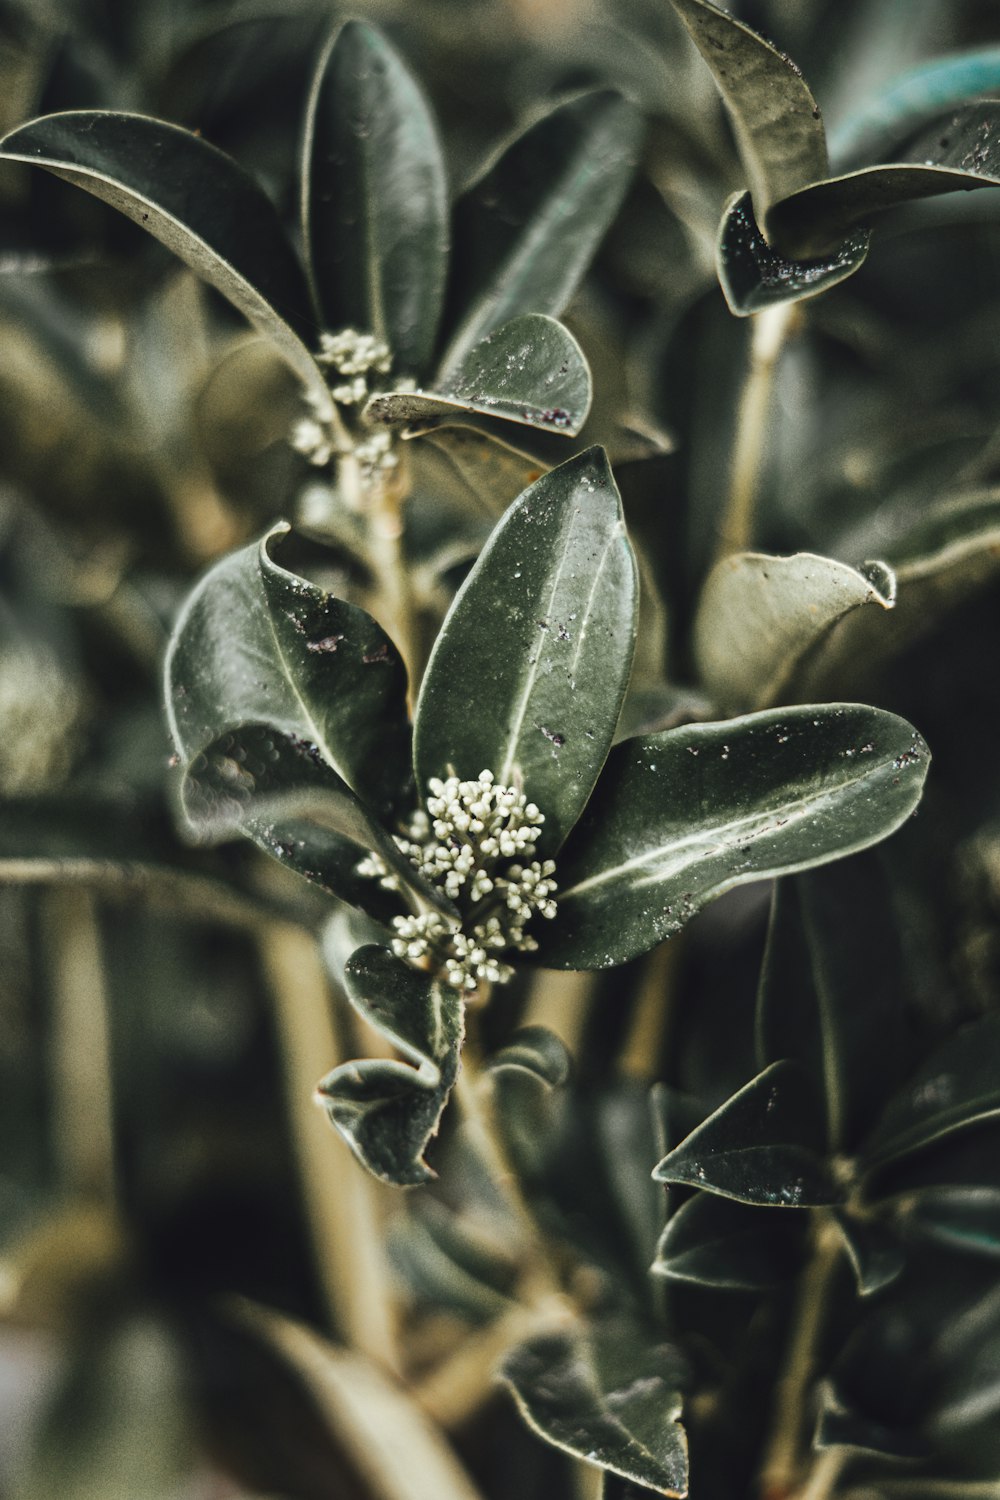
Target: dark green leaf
(713,1242)
(963,1218)
(492,472)
(762,1146)
(526,230)
(530,370)
(375,197)
(807,1004)
(754,275)
(957,1087)
(681,816)
(450,1264)
(608,1396)
(529,671)
(911,101)
(775,117)
(840,1427)
(760,615)
(960,151)
(387,1110)
(875,1253)
(256,644)
(202,206)
(528,1074)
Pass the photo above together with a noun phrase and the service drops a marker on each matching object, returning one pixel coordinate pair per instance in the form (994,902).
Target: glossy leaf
(389,1110)
(762,1146)
(875,1253)
(606,1395)
(256,644)
(529,671)
(957,1216)
(755,275)
(526,230)
(714,1242)
(681,816)
(960,151)
(375,197)
(911,101)
(530,370)
(957,1087)
(807,1004)
(198,202)
(760,615)
(777,121)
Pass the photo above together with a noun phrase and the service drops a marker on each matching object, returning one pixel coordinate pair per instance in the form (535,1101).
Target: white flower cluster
(474,842)
(355,355)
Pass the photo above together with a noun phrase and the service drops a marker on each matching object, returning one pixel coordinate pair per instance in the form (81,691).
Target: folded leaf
(528,1076)
(375,197)
(530,370)
(960,1217)
(875,1252)
(712,1241)
(755,275)
(681,816)
(526,230)
(776,120)
(198,202)
(762,1146)
(606,1395)
(529,670)
(388,1111)
(256,644)
(760,615)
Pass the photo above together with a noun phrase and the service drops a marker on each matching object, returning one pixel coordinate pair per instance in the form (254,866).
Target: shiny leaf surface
(755,275)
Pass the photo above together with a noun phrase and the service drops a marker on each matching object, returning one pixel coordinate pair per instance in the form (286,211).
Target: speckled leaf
(531,370)
(389,1110)
(760,615)
(529,671)
(959,151)
(807,1002)
(274,790)
(609,1396)
(775,117)
(875,1252)
(375,197)
(681,816)
(256,644)
(762,1146)
(911,101)
(957,1087)
(526,229)
(715,1242)
(198,202)
(755,275)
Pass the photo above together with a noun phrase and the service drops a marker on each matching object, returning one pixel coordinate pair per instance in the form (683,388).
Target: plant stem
(771,330)
(825,1473)
(792,1408)
(342,1203)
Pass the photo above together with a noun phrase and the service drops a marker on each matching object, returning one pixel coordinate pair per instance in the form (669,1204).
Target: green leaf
(712,1241)
(681,816)
(256,644)
(754,275)
(762,1146)
(958,1086)
(530,370)
(387,1110)
(528,1075)
(607,1395)
(759,616)
(875,1253)
(529,671)
(198,202)
(911,101)
(807,1004)
(375,204)
(776,120)
(526,230)
(957,1216)
(450,1263)
(272,789)
(491,472)
(960,151)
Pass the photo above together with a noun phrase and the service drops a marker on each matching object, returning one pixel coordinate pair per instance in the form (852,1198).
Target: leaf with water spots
(529,671)
(763,1146)
(681,816)
(755,275)
(609,1395)
(388,1110)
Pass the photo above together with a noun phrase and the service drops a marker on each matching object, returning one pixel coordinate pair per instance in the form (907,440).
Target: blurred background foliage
(187,1253)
